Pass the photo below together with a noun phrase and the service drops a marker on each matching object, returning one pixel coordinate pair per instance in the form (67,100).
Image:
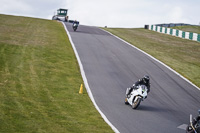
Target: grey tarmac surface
(111,66)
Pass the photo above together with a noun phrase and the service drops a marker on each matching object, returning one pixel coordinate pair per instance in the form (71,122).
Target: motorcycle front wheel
(136,103)
(189,130)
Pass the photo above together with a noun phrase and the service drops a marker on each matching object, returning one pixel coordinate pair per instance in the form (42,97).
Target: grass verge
(180,54)
(40,80)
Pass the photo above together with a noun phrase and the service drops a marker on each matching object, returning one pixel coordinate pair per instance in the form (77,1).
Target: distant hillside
(194,29)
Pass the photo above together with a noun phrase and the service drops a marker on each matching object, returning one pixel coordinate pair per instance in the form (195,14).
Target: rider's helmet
(199,112)
(146,78)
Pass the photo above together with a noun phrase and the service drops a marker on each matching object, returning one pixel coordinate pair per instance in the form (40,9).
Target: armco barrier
(175,32)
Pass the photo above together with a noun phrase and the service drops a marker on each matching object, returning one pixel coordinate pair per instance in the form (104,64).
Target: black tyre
(189,129)
(126,101)
(137,103)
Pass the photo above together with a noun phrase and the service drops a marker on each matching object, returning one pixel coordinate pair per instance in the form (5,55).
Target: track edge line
(86,83)
(154,59)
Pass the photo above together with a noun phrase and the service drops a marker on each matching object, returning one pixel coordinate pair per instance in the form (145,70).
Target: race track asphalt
(111,66)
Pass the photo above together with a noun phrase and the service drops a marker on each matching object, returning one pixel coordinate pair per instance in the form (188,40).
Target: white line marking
(183,126)
(86,83)
(154,59)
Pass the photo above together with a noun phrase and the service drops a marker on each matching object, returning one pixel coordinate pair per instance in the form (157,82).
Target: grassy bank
(181,55)
(194,29)
(40,80)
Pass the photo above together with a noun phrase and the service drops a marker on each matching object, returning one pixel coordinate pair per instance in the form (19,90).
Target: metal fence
(171,24)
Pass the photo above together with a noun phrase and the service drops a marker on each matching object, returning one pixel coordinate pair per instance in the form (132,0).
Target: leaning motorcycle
(75,26)
(194,126)
(136,96)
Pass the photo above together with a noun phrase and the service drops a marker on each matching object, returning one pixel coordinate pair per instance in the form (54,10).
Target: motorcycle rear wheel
(126,101)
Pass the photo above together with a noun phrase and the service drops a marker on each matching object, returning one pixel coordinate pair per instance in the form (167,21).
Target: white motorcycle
(136,96)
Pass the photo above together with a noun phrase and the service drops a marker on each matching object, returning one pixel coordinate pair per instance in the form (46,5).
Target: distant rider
(75,23)
(143,81)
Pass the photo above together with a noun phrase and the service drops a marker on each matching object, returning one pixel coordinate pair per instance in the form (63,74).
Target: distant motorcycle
(136,96)
(75,26)
(194,126)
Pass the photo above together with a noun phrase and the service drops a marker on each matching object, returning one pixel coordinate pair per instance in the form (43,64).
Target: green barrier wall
(166,30)
(171,30)
(198,38)
(191,36)
(183,34)
(177,33)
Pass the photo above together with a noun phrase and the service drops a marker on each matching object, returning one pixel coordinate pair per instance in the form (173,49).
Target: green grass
(194,29)
(40,80)
(180,54)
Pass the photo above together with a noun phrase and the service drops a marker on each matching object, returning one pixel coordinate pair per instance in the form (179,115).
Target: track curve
(111,66)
